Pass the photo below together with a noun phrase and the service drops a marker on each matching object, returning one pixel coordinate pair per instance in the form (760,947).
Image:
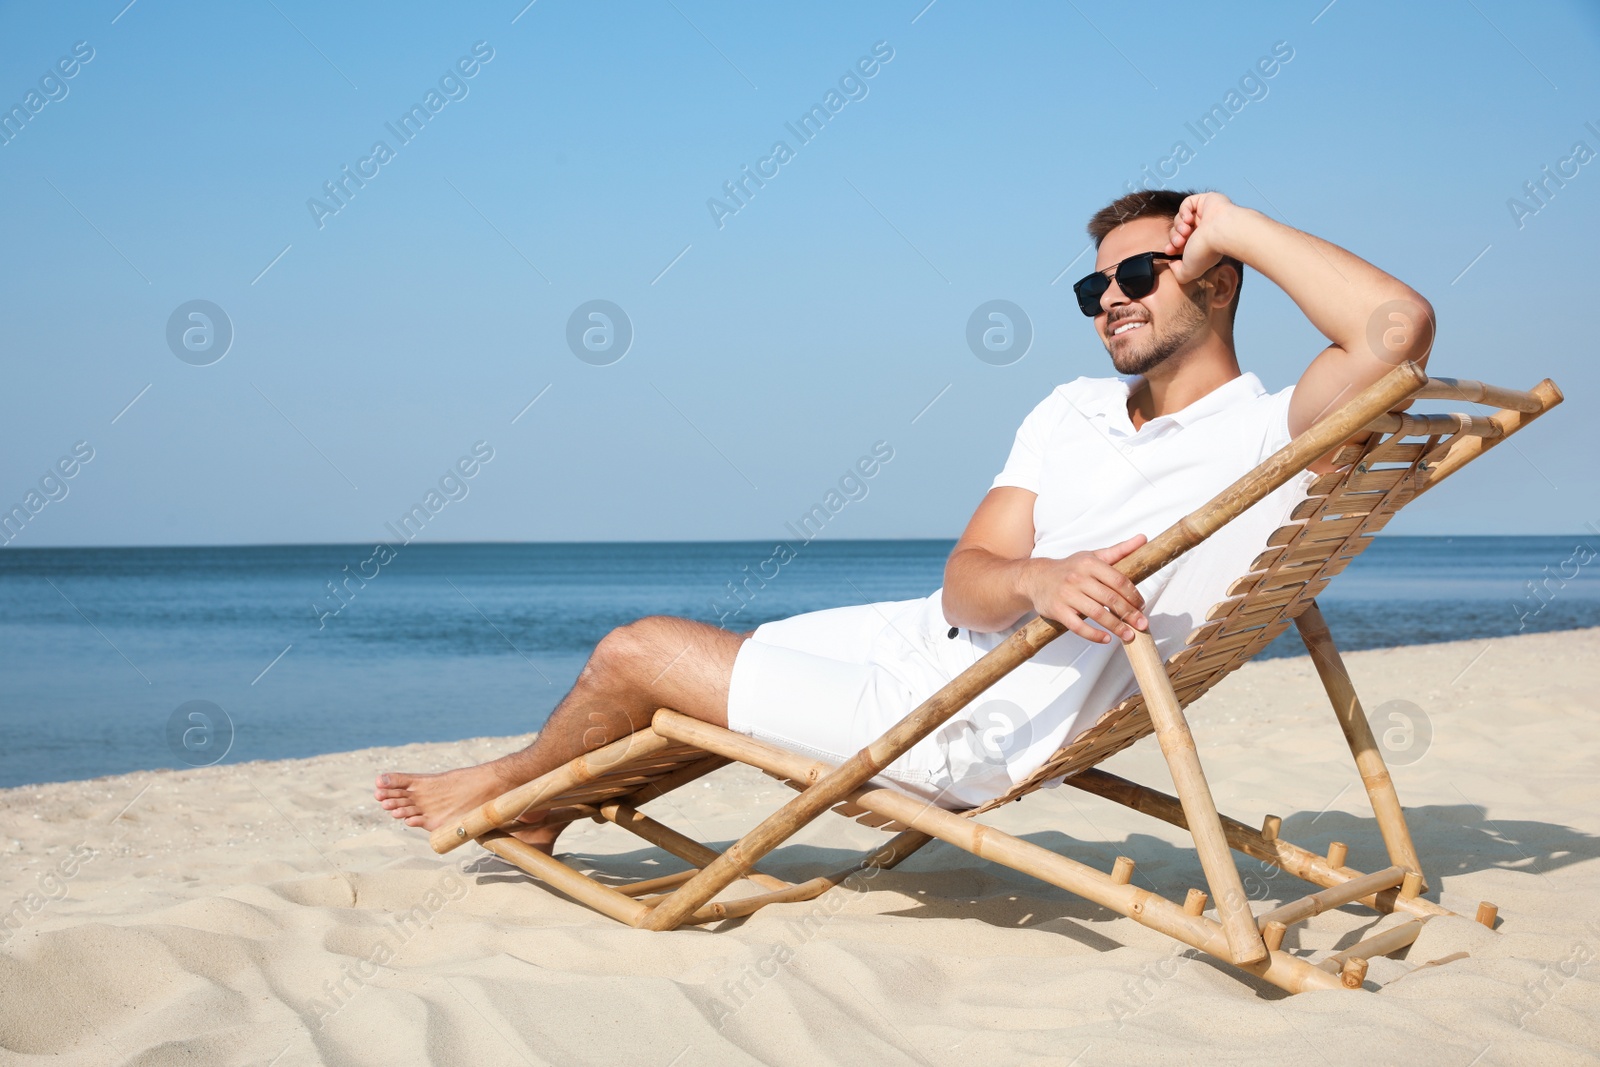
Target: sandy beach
(271,913)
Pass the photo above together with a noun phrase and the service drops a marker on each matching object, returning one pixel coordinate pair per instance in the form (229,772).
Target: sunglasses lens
(1136,277)
(1089,292)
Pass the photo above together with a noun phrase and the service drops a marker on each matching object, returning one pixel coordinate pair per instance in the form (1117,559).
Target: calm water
(99,648)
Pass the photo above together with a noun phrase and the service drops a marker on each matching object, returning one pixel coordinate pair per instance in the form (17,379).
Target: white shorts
(828,683)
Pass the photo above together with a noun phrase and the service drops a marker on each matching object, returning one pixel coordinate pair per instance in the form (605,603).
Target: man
(1100,462)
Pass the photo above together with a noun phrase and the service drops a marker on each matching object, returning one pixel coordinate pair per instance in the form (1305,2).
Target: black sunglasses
(1136,277)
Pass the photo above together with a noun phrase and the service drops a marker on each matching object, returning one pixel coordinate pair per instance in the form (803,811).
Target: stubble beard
(1164,341)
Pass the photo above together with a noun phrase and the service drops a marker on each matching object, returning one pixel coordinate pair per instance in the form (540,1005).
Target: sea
(121,659)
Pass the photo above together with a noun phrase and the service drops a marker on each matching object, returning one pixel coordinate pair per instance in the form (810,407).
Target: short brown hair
(1152,203)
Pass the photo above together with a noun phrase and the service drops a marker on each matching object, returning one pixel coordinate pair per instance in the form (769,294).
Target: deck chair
(1384,459)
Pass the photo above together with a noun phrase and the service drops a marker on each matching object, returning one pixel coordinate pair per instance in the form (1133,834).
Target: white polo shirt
(1098,482)
(829,682)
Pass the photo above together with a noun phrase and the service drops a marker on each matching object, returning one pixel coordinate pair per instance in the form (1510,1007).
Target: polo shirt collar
(1112,402)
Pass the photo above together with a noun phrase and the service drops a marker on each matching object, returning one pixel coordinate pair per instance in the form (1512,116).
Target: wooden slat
(1267,558)
(1347,503)
(617,788)
(1286,533)
(1222,609)
(1348,454)
(1333,567)
(677,779)
(1282,577)
(1274,590)
(1237,613)
(1262,615)
(1321,550)
(1391,940)
(1220,644)
(1336,896)
(1240,621)
(1378,481)
(655,777)
(1212,661)
(1304,533)
(1325,483)
(1375,521)
(1331,529)
(1243,585)
(1308,508)
(1406,450)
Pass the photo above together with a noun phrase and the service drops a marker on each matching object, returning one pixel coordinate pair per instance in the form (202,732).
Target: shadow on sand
(944,882)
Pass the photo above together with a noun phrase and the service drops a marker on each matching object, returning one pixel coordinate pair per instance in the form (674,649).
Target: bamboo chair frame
(1383,460)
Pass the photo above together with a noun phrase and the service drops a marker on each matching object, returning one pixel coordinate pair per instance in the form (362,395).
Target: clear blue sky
(768,354)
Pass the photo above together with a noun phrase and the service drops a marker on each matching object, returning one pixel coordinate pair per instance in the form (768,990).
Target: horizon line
(639,541)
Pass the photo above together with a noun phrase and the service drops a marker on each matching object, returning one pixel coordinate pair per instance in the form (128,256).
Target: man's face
(1142,334)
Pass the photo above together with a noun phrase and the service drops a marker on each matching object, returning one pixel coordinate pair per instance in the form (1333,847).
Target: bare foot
(431,800)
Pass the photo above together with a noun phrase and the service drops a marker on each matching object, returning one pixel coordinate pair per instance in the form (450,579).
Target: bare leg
(656,662)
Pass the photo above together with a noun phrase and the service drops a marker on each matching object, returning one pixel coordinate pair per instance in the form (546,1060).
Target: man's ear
(1221,284)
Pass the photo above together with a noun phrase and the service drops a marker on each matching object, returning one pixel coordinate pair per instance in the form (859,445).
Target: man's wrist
(1022,580)
(1236,237)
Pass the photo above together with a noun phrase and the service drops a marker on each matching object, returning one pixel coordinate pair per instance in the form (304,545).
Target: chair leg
(1358,734)
(883,858)
(669,840)
(579,887)
(1177,745)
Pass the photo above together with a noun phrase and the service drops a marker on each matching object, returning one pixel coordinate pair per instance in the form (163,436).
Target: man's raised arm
(991,581)
(1373,321)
